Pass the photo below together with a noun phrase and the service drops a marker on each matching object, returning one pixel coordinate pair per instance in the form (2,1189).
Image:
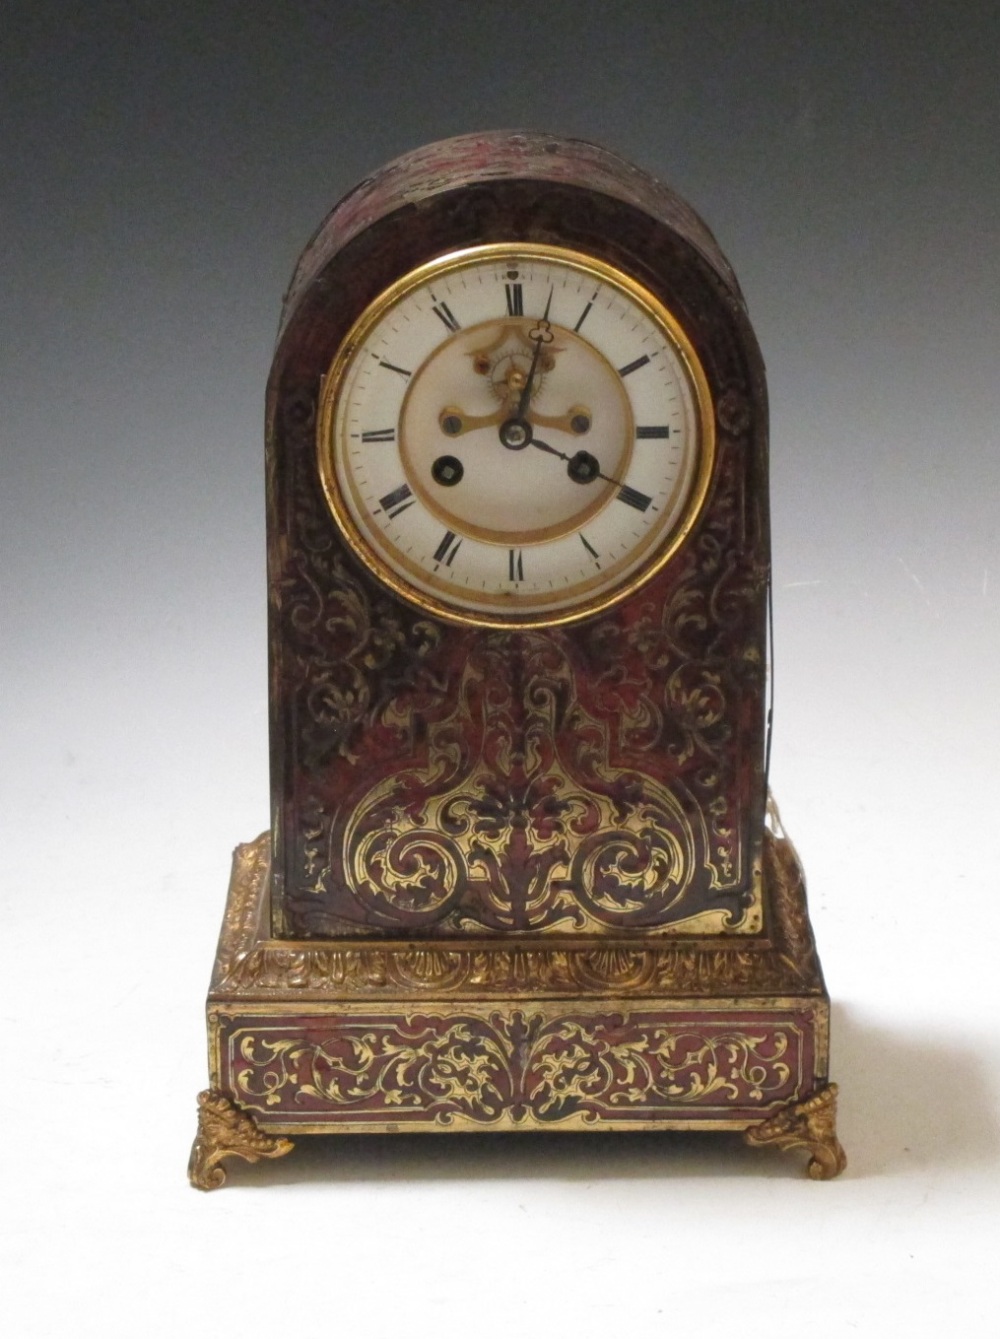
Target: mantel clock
(519,874)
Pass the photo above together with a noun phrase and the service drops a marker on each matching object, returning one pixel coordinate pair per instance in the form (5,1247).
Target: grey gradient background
(163,165)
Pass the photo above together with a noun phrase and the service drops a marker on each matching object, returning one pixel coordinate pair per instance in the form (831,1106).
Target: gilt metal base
(708,1033)
(226,1132)
(811,1125)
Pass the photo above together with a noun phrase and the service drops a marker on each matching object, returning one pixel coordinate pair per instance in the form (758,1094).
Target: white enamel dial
(515,435)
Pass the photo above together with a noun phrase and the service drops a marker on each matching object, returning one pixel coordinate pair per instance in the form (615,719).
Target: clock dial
(515,435)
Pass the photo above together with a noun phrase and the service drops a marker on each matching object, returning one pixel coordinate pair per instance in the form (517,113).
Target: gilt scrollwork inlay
(539,1070)
(576,781)
(348,656)
(693,656)
(250,963)
(517,820)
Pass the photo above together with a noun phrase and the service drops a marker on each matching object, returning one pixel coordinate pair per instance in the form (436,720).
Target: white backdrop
(163,171)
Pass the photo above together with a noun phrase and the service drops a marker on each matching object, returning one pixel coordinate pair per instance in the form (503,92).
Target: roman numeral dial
(517,435)
(396,502)
(444,314)
(448,548)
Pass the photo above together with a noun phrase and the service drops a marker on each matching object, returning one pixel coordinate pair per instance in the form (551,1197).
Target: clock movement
(520,873)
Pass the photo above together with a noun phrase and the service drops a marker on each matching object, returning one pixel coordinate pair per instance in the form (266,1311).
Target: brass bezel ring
(602,272)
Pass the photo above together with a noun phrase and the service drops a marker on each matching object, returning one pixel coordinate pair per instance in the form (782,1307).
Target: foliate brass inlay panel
(522,1066)
(450,786)
(252,965)
(513,824)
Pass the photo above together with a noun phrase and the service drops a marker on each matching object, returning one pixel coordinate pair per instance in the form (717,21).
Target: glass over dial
(515,435)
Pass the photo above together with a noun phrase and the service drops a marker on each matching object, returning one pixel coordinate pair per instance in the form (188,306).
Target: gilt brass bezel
(603,273)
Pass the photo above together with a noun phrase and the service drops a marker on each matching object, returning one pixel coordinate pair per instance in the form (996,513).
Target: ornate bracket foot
(812,1125)
(224,1131)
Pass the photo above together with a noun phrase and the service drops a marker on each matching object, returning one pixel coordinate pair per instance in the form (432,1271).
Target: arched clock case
(519,874)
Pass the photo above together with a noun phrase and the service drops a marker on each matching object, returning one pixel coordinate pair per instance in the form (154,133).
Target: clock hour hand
(582,467)
(544,446)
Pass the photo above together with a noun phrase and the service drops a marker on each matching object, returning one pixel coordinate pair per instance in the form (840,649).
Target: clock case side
(461,193)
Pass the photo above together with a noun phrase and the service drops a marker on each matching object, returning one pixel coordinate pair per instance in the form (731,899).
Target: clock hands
(544,336)
(454,422)
(516,431)
(582,467)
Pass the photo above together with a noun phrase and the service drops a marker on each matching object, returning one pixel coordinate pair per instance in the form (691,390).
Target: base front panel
(517,1065)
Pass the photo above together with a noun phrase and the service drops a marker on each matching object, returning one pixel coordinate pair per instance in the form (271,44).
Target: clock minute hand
(544,329)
